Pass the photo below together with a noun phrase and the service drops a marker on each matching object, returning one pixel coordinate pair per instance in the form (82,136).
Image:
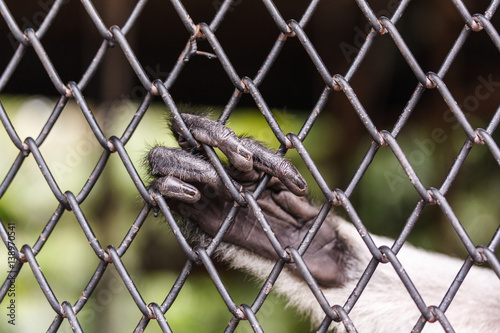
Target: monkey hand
(195,191)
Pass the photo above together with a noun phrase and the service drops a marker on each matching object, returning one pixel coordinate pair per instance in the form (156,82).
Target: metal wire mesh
(25,256)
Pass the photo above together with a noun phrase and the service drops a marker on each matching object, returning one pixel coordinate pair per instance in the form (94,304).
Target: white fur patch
(385,306)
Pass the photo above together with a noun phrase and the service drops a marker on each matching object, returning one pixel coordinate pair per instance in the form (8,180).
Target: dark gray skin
(195,191)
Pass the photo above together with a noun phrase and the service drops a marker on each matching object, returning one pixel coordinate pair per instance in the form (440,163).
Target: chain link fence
(24,256)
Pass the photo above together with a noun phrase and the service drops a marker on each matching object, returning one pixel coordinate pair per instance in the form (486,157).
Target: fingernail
(301,183)
(245,153)
(189,190)
(156,211)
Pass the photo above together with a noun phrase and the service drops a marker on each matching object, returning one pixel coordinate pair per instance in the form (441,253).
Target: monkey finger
(217,135)
(182,165)
(268,161)
(173,188)
(298,207)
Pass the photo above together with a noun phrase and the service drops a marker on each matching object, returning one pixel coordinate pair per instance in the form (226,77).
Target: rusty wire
(116,144)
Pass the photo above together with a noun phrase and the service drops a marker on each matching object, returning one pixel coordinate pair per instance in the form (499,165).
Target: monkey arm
(199,195)
(336,257)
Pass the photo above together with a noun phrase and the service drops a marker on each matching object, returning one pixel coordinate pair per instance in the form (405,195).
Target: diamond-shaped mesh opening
(388,108)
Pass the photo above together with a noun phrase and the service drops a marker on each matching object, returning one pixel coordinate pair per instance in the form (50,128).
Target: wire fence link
(25,256)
